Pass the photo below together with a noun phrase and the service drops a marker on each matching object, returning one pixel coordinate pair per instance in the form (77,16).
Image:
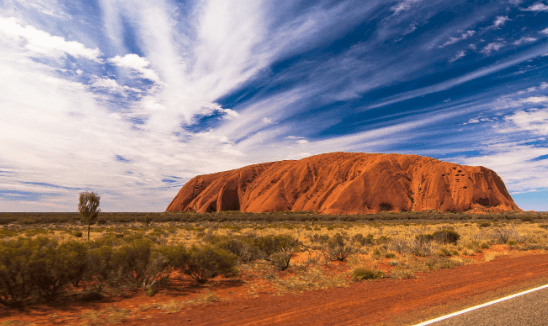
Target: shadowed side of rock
(347,183)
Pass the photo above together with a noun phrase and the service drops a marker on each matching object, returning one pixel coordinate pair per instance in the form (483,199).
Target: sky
(131,99)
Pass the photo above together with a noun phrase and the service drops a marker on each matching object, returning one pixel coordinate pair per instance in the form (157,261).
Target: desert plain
(368,269)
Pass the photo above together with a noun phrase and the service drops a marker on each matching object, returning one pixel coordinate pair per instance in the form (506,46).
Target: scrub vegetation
(44,256)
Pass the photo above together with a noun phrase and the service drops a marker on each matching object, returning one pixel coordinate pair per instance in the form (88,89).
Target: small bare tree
(88,206)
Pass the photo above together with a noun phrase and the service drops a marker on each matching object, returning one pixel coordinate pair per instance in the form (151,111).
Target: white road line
(480,306)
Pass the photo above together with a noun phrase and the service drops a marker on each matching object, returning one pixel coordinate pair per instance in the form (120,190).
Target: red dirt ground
(363,303)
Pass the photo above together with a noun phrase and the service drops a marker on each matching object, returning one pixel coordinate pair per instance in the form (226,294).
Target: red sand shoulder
(363,303)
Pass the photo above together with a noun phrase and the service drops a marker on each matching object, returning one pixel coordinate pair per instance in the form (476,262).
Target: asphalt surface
(530,309)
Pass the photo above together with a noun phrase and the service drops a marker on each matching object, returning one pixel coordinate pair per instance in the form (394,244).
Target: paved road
(527,310)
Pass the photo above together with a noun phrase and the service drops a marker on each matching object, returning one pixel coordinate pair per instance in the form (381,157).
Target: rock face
(347,183)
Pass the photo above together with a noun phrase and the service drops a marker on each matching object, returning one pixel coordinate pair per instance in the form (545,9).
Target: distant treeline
(237,216)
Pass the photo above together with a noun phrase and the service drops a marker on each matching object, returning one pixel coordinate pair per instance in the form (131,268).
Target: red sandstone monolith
(348,183)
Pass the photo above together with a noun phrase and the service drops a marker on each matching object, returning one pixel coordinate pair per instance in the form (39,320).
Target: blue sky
(131,100)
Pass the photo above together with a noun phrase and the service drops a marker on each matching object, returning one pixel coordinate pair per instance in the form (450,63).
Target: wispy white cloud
(461,54)
(111,84)
(528,90)
(535,99)
(404,6)
(46,7)
(41,43)
(448,84)
(539,6)
(544,31)
(228,114)
(516,152)
(491,47)
(534,121)
(525,39)
(135,62)
(463,36)
(500,21)
(514,163)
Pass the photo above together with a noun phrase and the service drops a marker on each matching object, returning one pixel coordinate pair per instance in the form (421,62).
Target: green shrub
(142,265)
(281,260)
(361,273)
(368,240)
(273,243)
(138,263)
(16,282)
(359,238)
(40,266)
(444,252)
(503,235)
(528,219)
(245,250)
(364,241)
(147,219)
(442,263)
(177,256)
(446,236)
(424,239)
(109,240)
(102,268)
(382,240)
(338,247)
(321,239)
(209,261)
(27,221)
(53,267)
(156,272)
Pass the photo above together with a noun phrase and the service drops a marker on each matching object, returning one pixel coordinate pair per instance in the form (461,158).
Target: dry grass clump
(311,279)
(493,254)
(106,316)
(361,273)
(444,262)
(175,306)
(404,272)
